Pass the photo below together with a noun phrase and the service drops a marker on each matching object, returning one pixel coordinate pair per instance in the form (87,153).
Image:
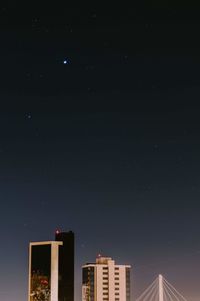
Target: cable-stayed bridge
(161,290)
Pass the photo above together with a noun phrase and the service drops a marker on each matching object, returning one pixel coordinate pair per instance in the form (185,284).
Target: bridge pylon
(161,290)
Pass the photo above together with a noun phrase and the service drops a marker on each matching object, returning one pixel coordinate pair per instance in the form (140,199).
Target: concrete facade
(105,281)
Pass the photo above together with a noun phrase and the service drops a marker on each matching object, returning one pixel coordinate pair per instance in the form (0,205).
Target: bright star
(66,62)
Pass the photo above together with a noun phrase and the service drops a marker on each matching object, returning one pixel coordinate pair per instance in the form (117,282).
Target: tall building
(66,266)
(51,269)
(105,281)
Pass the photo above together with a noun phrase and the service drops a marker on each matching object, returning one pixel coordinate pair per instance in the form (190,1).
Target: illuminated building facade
(51,269)
(105,281)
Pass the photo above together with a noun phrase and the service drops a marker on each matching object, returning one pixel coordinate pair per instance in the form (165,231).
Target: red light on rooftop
(57,231)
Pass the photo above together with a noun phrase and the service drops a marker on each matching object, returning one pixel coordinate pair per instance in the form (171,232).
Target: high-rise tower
(105,281)
(51,269)
(66,266)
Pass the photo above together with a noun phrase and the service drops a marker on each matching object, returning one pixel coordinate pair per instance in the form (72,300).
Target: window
(127,283)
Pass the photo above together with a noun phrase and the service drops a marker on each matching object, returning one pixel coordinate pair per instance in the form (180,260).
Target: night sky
(100,134)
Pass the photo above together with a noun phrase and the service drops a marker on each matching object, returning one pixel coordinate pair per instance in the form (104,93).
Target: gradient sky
(106,145)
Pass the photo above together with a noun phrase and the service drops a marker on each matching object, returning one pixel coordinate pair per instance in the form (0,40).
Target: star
(28,116)
(66,61)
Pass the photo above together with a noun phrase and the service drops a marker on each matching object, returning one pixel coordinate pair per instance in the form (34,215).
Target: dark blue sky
(107,145)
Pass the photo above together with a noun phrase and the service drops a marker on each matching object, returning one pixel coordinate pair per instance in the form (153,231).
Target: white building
(43,270)
(51,269)
(105,281)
